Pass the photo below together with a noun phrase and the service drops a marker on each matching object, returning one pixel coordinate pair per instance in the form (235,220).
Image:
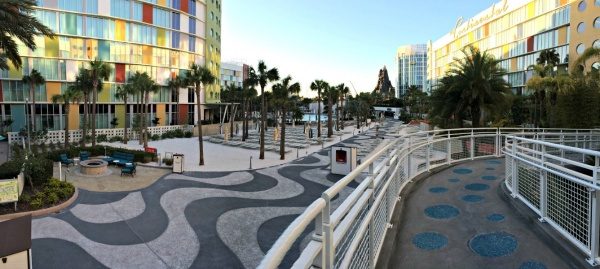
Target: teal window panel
(18,116)
(104,50)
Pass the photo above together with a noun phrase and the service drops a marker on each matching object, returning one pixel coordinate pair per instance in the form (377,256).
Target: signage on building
(9,191)
(495,11)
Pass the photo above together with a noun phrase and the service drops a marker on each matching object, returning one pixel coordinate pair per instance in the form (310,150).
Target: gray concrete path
(457,219)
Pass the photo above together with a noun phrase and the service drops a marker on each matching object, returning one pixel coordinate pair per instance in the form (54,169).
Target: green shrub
(25,198)
(36,202)
(38,169)
(101,138)
(147,159)
(188,134)
(178,133)
(155,137)
(115,139)
(51,198)
(166,135)
(168,161)
(11,169)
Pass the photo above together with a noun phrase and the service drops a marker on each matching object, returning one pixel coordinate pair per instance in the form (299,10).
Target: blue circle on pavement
(438,190)
(494,162)
(488,177)
(490,168)
(477,187)
(472,198)
(430,240)
(495,217)
(532,265)
(497,244)
(463,171)
(442,212)
(453,180)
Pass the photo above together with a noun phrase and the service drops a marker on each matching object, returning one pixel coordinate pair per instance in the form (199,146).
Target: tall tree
(70,96)
(480,77)
(343,91)
(332,94)
(83,84)
(99,71)
(548,57)
(261,76)
(123,93)
(199,77)
(249,94)
(33,79)
(143,84)
(175,83)
(282,96)
(319,86)
(18,22)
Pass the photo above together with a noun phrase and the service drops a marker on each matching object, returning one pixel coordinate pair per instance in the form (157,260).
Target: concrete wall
(214,129)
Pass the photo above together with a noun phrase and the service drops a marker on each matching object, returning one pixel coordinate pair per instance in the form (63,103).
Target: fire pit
(93,167)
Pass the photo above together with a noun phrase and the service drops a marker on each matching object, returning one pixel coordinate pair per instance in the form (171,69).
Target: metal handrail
(397,154)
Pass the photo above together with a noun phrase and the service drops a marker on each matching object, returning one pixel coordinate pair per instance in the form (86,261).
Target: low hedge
(51,193)
(138,155)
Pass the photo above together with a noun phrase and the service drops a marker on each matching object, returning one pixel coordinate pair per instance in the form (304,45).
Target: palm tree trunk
(231,120)
(282,141)
(342,112)
(67,125)
(329,117)
(337,118)
(244,120)
(126,119)
(86,98)
(476,116)
(141,118)
(199,112)
(319,114)
(146,110)
(94,97)
(32,106)
(263,117)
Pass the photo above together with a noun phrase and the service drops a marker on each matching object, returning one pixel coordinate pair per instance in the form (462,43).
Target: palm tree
(83,85)
(99,71)
(480,77)
(590,53)
(199,77)
(33,79)
(548,57)
(18,22)
(447,106)
(143,83)
(231,94)
(261,76)
(70,96)
(319,86)
(332,94)
(175,83)
(249,94)
(282,93)
(123,92)
(343,91)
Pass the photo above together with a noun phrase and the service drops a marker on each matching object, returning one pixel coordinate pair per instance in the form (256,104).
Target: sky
(339,41)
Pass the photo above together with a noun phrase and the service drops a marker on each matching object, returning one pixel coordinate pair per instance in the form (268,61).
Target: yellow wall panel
(530,10)
(51,46)
(52,88)
(147,53)
(505,50)
(160,37)
(162,3)
(562,36)
(161,113)
(14,72)
(92,48)
(104,95)
(120,115)
(513,64)
(73,117)
(120,30)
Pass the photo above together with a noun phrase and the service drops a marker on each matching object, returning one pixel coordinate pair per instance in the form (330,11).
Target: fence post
(472,149)
(428,159)
(449,154)
(328,250)
(372,220)
(562,151)
(594,222)
(515,181)
(497,141)
(543,187)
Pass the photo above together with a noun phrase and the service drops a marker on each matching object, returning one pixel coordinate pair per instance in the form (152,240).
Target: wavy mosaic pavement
(196,220)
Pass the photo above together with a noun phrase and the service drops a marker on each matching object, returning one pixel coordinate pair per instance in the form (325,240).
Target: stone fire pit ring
(93,167)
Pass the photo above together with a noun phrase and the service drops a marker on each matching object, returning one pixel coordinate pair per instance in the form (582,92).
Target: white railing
(559,183)
(76,135)
(351,235)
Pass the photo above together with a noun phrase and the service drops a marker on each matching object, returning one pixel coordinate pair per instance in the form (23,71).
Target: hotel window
(48,116)
(48,68)
(137,13)
(100,28)
(191,95)
(70,5)
(582,6)
(119,52)
(161,57)
(175,40)
(71,24)
(192,7)
(191,112)
(192,26)
(177,4)
(580,49)
(172,112)
(161,17)
(120,8)
(14,91)
(581,27)
(48,18)
(77,48)
(91,6)
(175,20)
(596,44)
(597,22)
(136,53)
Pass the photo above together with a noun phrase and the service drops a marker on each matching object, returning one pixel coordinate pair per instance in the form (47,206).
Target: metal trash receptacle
(178,163)
(343,160)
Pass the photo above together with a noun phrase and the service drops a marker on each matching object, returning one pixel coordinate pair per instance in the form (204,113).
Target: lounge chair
(128,169)
(65,160)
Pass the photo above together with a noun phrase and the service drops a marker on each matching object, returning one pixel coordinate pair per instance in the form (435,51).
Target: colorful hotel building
(160,37)
(515,31)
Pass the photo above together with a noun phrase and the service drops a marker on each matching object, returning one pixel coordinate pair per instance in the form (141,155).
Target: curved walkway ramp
(458,218)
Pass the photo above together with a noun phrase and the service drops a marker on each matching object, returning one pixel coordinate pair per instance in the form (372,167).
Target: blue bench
(120,158)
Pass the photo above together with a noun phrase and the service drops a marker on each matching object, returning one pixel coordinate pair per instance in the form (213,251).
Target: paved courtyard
(198,220)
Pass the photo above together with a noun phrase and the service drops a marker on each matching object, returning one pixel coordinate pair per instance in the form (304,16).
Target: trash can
(178,163)
(343,160)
